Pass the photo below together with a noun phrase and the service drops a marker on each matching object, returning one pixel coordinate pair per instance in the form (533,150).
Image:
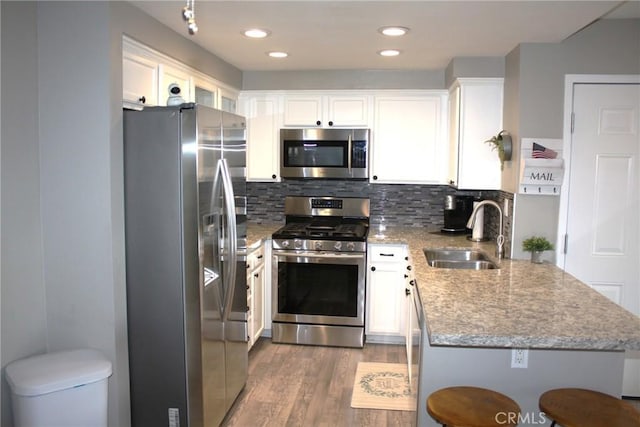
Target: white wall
(23,312)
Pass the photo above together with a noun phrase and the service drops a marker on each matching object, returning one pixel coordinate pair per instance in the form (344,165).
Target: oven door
(321,288)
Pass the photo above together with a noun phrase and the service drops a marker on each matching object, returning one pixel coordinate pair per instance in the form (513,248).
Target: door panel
(603,225)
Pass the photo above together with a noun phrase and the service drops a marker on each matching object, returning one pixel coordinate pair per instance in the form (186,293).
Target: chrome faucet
(500,238)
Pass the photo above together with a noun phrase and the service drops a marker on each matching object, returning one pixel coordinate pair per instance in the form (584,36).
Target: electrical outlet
(519,358)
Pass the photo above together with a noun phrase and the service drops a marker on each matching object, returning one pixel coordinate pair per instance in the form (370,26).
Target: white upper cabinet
(475,114)
(310,109)
(147,74)
(139,78)
(409,138)
(169,75)
(205,92)
(264,120)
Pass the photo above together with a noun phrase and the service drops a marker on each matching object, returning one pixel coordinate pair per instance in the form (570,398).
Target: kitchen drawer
(386,253)
(255,257)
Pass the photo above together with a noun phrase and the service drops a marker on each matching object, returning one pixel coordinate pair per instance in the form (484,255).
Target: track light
(189,15)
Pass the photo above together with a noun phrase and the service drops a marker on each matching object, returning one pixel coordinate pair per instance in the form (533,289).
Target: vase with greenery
(536,245)
(502,143)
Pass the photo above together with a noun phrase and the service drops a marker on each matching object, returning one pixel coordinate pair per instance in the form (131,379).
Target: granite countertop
(258,232)
(518,305)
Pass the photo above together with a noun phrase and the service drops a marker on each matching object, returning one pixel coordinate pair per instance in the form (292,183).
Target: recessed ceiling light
(389,52)
(256,33)
(278,54)
(394,31)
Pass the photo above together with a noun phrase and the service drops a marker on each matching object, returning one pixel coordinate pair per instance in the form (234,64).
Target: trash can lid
(49,372)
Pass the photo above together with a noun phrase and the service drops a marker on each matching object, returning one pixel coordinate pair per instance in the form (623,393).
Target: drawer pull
(387,254)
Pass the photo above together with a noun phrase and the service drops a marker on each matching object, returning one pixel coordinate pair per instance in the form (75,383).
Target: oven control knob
(285,244)
(351,246)
(297,244)
(318,245)
(338,246)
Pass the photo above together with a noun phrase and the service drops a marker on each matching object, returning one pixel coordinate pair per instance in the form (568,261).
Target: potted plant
(502,143)
(536,245)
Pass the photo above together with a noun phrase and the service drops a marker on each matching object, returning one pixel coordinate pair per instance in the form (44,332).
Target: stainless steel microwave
(324,153)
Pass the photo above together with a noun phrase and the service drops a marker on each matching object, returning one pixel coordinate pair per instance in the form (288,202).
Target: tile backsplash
(407,205)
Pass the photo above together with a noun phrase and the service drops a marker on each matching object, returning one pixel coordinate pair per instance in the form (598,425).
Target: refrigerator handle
(232,237)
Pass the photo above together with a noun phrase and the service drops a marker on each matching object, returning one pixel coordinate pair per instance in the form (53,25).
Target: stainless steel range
(319,260)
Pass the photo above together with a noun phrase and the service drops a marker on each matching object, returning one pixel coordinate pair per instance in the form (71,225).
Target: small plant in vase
(536,245)
(502,143)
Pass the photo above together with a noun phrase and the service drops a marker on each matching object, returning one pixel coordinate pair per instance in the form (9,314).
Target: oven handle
(321,255)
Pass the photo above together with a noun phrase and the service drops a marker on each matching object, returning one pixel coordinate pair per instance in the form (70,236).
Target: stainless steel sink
(467,259)
(464,265)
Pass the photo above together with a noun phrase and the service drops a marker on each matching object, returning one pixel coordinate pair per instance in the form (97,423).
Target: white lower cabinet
(386,298)
(412,327)
(256,284)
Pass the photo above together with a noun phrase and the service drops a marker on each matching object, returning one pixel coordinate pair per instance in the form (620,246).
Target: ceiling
(343,35)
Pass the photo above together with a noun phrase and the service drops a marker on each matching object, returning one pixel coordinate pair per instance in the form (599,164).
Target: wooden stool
(575,407)
(472,407)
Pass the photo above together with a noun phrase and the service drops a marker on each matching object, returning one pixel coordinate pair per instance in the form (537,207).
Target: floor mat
(383,386)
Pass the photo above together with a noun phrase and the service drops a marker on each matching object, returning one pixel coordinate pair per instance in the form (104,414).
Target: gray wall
(491,368)
(343,79)
(473,67)
(22,285)
(534,102)
(127,19)
(374,79)
(63,281)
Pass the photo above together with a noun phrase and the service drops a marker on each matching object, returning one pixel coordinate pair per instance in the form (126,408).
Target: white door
(603,221)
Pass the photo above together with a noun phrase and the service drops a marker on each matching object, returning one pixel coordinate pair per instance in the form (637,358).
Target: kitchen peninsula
(575,336)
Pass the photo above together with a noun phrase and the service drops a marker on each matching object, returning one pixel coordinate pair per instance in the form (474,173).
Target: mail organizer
(541,176)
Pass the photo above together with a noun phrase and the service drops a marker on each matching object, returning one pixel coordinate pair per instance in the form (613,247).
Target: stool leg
(553,423)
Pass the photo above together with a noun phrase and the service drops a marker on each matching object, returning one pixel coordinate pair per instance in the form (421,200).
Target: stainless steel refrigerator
(185,225)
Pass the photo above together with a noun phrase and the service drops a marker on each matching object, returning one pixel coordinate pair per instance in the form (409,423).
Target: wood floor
(296,385)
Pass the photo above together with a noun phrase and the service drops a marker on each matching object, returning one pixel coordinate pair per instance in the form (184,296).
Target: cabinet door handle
(256,275)
(330,123)
(318,122)
(407,292)
(375,177)
(409,267)
(381,254)
(142,99)
(373,268)
(412,282)
(260,256)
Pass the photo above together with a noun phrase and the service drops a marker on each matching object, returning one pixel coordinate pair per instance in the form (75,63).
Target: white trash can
(61,389)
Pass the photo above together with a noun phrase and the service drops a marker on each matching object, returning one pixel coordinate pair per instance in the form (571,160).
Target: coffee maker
(457,210)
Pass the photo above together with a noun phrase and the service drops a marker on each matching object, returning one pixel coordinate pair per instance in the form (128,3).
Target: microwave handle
(350,151)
